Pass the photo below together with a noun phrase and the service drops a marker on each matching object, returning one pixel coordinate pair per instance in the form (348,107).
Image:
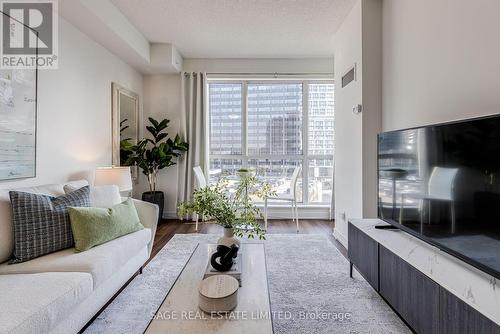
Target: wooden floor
(168,228)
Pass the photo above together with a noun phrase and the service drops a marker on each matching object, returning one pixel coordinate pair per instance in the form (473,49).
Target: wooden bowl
(218,293)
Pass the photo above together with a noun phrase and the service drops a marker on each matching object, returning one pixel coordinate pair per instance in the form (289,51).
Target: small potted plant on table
(237,213)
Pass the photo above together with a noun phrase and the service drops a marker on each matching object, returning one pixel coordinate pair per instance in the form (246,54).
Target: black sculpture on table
(222,259)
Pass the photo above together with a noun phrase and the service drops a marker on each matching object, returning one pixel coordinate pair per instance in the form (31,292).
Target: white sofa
(62,291)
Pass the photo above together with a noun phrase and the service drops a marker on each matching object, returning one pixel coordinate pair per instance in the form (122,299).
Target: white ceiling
(240,28)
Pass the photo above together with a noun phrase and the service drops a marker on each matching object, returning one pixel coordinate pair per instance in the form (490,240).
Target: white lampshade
(119,176)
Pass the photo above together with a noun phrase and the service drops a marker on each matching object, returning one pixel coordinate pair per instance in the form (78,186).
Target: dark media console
(423,304)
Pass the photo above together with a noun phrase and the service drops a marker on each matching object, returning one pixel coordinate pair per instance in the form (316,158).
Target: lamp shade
(119,176)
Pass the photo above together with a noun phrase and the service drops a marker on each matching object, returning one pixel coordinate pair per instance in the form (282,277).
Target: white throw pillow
(100,196)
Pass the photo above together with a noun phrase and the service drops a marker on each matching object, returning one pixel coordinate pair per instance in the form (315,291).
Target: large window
(274,126)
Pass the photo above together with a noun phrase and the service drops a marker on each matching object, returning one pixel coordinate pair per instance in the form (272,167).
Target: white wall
(372,100)
(348,127)
(441,61)
(162,99)
(74,109)
(357,42)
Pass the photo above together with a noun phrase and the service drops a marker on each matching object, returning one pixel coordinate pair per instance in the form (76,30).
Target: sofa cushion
(36,303)
(95,226)
(41,222)
(101,261)
(76,184)
(6,229)
(100,196)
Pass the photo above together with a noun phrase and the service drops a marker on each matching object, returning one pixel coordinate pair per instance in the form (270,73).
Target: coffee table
(179,312)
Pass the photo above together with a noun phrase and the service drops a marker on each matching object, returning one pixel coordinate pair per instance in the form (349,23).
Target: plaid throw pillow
(41,222)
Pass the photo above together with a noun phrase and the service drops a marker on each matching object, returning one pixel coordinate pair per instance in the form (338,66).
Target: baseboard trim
(170,215)
(281,212)
(340,237)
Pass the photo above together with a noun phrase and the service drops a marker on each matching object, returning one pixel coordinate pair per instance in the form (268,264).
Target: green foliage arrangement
(125,144)
(236,211)
(154,154)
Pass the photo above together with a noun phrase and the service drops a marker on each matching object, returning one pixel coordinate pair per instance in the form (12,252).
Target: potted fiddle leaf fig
(154,153)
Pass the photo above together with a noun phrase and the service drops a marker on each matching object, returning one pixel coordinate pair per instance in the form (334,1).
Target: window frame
(303,159)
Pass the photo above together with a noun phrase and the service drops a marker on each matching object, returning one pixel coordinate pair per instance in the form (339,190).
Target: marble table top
(179,312)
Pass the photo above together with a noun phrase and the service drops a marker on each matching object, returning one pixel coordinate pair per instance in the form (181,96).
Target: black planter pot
(155,197)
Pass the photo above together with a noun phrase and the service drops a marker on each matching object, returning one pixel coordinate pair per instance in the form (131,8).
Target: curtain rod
(267,73)
(269,76)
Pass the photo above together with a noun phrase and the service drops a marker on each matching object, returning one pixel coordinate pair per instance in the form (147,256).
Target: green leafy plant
(156,153)
(126,147)
(236,211)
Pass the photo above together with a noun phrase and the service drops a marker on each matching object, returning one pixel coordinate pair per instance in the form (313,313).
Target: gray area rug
(308,282)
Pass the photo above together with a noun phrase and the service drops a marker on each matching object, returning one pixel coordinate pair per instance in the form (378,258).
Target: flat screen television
(441,183)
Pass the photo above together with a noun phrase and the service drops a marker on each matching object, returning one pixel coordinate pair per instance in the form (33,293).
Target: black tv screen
(441,183)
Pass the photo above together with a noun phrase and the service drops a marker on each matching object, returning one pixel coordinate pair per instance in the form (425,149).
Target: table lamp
(119,176)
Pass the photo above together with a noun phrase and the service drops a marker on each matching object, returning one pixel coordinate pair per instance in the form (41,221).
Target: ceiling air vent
(349,77)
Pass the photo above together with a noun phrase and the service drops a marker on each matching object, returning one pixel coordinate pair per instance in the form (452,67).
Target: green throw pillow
(95,226)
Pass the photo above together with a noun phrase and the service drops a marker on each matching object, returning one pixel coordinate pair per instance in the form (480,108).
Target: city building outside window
(273,126)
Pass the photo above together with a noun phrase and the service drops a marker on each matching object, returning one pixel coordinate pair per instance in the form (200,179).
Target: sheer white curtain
(194,128)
